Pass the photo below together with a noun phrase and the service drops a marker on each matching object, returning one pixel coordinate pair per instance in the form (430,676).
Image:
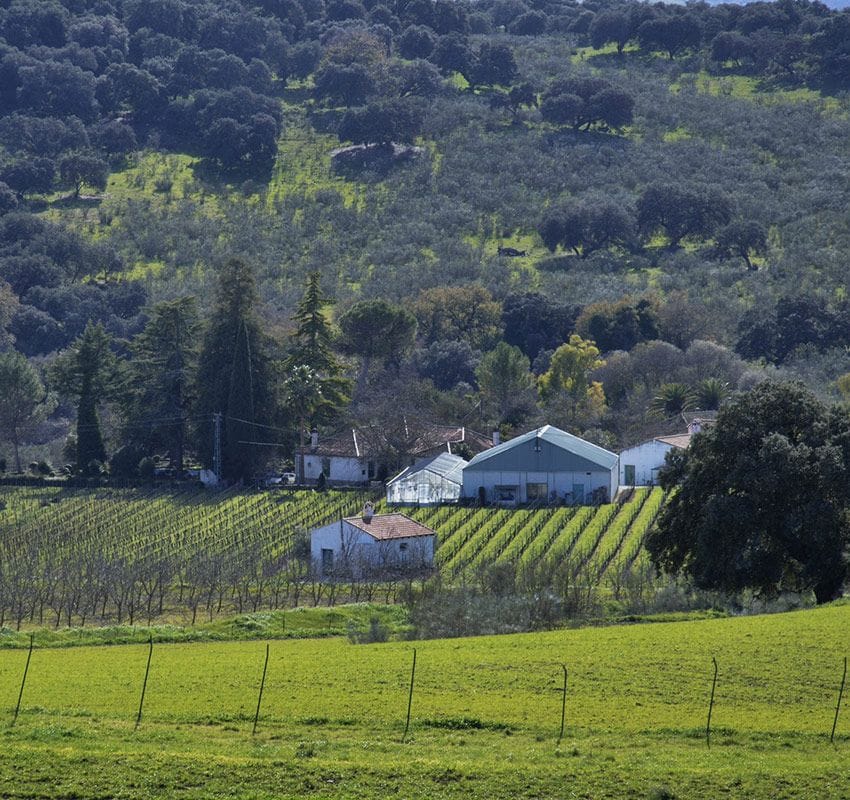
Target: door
(327,561)
(578,494)
(629,475)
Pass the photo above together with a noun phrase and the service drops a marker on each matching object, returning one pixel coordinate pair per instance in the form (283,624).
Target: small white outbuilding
(639,465)
(355,546)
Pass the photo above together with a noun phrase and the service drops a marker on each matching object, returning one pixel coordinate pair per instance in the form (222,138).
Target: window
(506,494)
(536,491)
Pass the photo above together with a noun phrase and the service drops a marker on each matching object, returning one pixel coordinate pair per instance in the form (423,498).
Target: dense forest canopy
(666,185)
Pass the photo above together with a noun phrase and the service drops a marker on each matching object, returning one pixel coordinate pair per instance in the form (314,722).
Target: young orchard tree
(90,372)
(23,402)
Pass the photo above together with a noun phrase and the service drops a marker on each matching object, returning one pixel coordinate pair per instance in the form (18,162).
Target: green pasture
(485,716)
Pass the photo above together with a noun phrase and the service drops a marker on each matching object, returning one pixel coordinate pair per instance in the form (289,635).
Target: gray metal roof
(546,449)
(446,465)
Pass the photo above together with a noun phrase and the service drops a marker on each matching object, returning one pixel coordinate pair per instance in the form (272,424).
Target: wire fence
(382,686)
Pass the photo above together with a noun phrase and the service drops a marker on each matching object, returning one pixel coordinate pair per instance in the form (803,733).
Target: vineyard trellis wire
(71,555)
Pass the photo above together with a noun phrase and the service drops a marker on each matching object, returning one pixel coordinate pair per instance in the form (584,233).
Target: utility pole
(217,445)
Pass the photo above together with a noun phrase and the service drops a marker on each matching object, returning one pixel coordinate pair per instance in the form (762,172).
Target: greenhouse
(432,481)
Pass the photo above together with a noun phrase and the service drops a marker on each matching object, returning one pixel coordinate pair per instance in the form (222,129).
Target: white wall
(647,458)
(353,549)
(342,469)
(561,483)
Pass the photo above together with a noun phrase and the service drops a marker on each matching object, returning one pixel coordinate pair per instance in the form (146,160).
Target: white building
(359,455)
(357,545)
(546,465)
(639,465)
(431,481)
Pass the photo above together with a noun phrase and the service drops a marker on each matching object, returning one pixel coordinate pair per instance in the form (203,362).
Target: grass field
(485,716)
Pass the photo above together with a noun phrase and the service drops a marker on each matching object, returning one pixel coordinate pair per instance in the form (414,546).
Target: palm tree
(672,399)
(710,394)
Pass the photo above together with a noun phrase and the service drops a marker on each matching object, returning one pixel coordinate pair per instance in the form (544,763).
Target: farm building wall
(337,469)
(639,465)
(511,487)
(355,552)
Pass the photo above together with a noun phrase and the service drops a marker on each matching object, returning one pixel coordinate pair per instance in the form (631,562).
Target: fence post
(563,703)
(838,704)
(711,704)
(144,683)
(23,681)
(262,686)
(410,696)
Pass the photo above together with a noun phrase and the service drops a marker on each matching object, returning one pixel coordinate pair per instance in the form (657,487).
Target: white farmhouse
(546,465)
(639,465)
(359,455)
(432,481)
(358,545)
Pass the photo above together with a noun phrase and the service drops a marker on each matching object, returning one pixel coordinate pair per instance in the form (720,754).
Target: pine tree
(311,347)
(161,378)
(235,377)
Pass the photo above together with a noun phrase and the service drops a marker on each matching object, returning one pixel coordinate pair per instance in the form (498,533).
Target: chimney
(497,437)
(368,512)
(695,426)
(314,439)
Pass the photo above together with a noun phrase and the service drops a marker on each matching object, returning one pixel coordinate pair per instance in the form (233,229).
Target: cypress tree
(89,371)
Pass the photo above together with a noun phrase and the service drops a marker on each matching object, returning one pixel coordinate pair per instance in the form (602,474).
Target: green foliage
(376,329)
(506,383)
(234,376)
(567,387)
(762,498)
(23,402)
(161,378)
(90,372)
(310,347)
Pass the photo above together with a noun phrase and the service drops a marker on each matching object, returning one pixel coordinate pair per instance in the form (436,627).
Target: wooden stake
(262,686)
(838,704)
(711,704)
(410,696)
(144,683)
(23,682)
(563,703)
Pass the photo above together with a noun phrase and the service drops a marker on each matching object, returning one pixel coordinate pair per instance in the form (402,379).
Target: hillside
(532,164)
(485,716)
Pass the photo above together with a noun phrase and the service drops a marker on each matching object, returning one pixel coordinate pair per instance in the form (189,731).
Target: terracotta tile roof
(680,440)
(389,526)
